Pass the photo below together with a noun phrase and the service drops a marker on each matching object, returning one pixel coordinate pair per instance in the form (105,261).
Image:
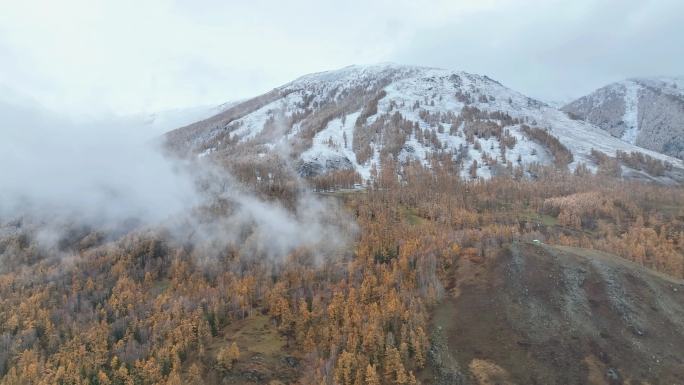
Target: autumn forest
(148,308)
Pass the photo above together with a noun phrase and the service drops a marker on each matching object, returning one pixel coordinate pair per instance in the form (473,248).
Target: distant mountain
(163,121)
(647,112)
(355,117)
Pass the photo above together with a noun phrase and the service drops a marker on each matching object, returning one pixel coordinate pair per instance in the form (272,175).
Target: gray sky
(132,56)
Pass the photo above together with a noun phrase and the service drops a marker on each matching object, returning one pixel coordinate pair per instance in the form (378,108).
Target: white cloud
(107,176)
(95,172)
(557,49)
(89,56)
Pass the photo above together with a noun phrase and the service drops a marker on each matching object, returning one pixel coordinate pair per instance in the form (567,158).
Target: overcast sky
(132,56)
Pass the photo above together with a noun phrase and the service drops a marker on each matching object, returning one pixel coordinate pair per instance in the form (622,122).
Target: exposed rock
(322,166)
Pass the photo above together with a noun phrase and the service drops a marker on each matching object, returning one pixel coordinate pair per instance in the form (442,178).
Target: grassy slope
(560,315)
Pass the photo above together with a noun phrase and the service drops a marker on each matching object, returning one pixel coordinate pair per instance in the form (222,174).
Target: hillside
(358,116)
(204,300)
(269,272)
(647,112)
(561,315)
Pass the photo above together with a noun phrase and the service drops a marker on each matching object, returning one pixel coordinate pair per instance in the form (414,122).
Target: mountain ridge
(351,118)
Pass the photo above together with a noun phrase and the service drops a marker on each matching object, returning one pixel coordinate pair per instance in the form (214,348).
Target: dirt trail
(540,314)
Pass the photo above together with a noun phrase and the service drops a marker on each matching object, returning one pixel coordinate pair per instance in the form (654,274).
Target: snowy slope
(647,112)
(163,121)
(354,117)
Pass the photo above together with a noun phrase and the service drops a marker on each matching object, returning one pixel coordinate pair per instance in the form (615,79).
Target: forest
(148,308)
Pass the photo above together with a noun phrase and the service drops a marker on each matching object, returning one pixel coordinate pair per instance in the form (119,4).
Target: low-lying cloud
(110,176)
(97,171)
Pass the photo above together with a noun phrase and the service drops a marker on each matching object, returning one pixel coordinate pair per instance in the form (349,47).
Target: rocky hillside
(357,117)
(647,112)
(540,314)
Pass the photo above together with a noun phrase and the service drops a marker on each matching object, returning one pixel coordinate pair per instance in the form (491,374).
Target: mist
(266,229)
(95,171)
(63,178)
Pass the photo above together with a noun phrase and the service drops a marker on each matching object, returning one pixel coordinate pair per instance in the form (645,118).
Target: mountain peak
(358,73)
(644,111)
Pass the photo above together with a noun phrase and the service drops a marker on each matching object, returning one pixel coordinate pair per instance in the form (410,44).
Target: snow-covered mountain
(357,116)
(163,121)
(647,112)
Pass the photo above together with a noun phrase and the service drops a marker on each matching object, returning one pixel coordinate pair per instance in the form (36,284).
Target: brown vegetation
(562,155)
(147,309)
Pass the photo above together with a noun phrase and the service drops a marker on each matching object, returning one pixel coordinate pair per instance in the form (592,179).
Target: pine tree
(473,169)
(227,356)
(372,375)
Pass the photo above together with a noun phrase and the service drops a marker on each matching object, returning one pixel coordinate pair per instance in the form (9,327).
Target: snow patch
(631,112)
(335,142)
